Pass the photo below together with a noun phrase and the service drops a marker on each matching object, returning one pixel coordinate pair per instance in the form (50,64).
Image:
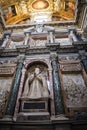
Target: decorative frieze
(68,59)
(8,62)
(70,67)
(5,70)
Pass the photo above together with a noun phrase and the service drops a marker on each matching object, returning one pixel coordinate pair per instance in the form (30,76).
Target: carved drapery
(28,63)
(14,92)
(56,84)
(36,86)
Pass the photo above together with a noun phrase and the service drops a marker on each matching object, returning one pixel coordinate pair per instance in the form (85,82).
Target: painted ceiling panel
(34,11)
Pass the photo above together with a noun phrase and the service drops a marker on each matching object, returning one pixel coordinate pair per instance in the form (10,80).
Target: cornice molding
(45,50)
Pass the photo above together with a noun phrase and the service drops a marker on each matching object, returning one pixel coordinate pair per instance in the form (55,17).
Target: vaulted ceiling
(28,12)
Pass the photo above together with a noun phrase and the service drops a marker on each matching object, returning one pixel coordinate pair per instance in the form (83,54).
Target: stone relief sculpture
(13,44)
(58,5)
(37,43)
(76,90)
(5,86)
(36,86)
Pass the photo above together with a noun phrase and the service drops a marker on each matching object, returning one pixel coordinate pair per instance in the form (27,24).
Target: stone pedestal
(36,109)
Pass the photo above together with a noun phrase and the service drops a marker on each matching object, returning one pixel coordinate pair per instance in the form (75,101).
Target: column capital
(7,34)
(72,29)
(82,54)
(20,58)
(27,34)
(53,56)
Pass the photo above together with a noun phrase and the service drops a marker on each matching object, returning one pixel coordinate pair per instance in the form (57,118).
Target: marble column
(56,86)
(19,93)
(13,96)
(52,109)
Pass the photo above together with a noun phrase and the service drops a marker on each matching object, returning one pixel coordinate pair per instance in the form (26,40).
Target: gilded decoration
(40,4)
(34,11)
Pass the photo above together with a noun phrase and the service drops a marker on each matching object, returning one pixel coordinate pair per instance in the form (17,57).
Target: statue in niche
(36,86)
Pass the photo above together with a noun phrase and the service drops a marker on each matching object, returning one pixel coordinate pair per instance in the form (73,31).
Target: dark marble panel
(57,89)
(14,92)
(84,62)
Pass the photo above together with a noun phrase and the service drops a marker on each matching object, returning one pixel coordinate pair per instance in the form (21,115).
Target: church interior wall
(43,75)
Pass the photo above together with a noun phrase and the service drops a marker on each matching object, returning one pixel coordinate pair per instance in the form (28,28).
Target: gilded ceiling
(34,11)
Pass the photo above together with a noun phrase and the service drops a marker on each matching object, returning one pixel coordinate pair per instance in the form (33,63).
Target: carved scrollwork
(53,56)
(4,71)
(68,58)
(70,67)
(8,62)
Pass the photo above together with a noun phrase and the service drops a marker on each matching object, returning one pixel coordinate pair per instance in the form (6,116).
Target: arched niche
(32,76)
(29,67)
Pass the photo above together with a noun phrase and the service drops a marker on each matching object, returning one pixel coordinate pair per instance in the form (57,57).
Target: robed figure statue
(36,86)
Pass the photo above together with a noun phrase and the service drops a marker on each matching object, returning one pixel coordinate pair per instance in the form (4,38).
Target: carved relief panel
(6,79)
(74,88)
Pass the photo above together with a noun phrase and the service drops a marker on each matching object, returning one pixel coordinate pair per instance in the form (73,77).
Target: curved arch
(31,62)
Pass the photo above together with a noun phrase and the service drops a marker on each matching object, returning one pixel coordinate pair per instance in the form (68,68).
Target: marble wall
(5,87)
(75,90)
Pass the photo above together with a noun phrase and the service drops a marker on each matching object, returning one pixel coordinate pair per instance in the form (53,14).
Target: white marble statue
(36,86)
